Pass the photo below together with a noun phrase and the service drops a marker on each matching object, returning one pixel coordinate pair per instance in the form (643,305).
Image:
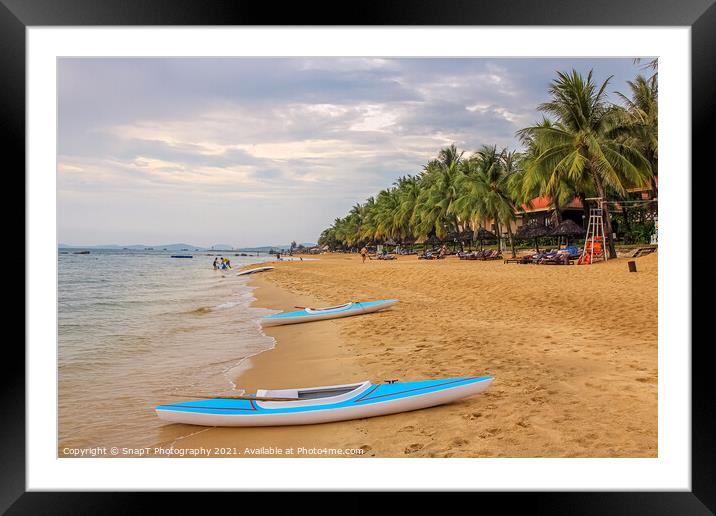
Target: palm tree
(580,144)
(485,192)
(433,214)
(386,206)
(640,127)
(407,190)
(450,156)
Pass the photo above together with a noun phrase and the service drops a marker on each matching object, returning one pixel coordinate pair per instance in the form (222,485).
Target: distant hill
(189,247)
(137,247)
(267,248)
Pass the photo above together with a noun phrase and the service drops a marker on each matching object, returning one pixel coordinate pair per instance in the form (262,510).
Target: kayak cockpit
(312,395)
(329,309)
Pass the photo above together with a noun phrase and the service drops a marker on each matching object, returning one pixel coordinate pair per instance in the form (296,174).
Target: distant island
(187,247)
(138,247)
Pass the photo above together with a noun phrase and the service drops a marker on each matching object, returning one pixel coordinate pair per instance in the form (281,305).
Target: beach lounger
(492,254)
(520,259)
(559,259)
(642,251)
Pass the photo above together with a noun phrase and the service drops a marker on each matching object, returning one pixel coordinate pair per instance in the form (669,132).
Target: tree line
(584,147)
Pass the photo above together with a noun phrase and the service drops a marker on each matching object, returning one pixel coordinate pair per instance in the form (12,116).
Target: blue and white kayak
(331,312)
(322,404)
(252,271)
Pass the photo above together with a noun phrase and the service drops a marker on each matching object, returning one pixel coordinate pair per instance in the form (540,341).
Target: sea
(139,328)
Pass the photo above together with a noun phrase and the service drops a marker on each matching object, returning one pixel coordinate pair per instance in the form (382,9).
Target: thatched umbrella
(482,234)
(432,240)
(568,228)
(465,236)
(456,238)
(533,230)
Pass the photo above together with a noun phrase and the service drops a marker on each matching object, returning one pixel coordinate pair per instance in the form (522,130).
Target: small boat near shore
(181,256)
(312,405)
(331,312)
(253,271)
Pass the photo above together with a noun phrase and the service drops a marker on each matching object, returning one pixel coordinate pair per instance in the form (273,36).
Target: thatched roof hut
(568,228)
(533,230)
(483,234)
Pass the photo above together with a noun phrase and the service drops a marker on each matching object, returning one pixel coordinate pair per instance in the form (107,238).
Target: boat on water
(331,312)
(306,406)
(253,271)
(182,256)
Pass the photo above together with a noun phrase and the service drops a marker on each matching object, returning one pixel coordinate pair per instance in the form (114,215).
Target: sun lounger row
(487,254)
(430,255)
(553,257)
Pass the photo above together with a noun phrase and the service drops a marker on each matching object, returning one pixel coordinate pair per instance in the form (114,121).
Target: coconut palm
(580,144)
(530,182)
(433,213)
(485,192)
(386,205)
(408,189)
(640,124)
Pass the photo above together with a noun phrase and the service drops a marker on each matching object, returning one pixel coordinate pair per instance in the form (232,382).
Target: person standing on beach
(364,253)
(215,266)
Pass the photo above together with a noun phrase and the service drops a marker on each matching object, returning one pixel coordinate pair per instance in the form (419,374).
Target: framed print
(415,249)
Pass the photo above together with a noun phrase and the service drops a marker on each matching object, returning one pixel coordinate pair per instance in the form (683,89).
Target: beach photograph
(357,257)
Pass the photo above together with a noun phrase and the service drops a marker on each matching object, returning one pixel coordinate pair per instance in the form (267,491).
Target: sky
(263,151)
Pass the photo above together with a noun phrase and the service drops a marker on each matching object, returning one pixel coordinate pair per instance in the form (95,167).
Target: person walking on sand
(364,253)
(215,266)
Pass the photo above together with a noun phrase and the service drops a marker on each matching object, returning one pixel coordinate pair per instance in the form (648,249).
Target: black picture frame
(700,15)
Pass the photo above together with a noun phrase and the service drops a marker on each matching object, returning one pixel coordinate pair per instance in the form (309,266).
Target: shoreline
(304,355)
(576,375)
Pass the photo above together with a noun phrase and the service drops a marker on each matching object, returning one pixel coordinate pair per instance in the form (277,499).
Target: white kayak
(322,404)
(252,271)
(331,312)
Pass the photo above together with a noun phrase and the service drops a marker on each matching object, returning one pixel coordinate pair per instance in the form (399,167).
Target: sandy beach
(573,350)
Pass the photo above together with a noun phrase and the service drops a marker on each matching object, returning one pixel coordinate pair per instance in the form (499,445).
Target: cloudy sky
(257,151)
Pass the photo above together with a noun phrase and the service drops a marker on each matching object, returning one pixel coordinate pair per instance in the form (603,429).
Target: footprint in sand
(413,448)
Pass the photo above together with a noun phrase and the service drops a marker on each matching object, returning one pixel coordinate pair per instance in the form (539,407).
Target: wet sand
(573,350)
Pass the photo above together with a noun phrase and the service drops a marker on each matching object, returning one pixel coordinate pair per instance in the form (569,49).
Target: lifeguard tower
(595,245)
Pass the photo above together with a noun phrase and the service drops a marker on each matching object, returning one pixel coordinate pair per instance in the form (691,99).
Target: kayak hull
(307,315)
(253,271)
(367,400)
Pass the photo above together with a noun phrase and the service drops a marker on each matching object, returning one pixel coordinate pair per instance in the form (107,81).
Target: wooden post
(632,266)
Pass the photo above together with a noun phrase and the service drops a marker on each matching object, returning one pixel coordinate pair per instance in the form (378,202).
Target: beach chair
(557,259)
(494,255)
(519,259)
